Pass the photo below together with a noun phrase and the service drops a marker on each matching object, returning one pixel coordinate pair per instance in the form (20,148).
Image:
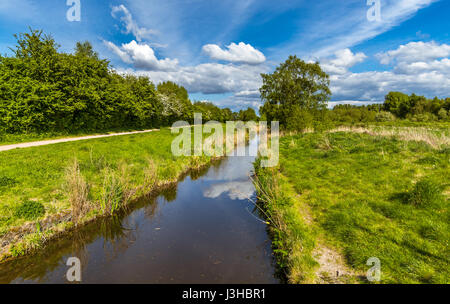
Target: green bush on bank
(43,90)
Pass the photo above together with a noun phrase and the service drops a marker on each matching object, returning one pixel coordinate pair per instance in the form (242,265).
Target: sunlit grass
(376,196)
(40,173)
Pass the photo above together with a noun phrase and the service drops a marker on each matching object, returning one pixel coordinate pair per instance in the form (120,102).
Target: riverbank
(48,190)
(340,198)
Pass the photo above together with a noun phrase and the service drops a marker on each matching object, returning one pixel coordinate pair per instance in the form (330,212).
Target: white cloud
(415,52)
(210,78)
(130,24)
(248,94)
(116,50)
(142,56)
(344,59)
(242,53)
(373,86)
(417,68)
(413,68)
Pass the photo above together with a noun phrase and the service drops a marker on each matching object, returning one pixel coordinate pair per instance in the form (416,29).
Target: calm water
(204,230)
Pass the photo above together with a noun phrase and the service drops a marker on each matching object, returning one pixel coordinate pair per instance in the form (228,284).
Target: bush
(423,117)
(425,193)
(442,114)
(29,210)
(384,116)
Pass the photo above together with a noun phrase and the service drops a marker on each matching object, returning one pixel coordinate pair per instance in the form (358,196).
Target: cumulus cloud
(418,68)
(344,59)
(415,52)
(239,53)
(130,24)
(142,56)
(116,50)
(210,78)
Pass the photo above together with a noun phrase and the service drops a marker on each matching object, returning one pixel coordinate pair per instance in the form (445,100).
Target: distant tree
(295,84)
(420,104)
(85,49)
(176,103)
(248,115)
(398,104)
(443,114)
(384,116)
(227,114)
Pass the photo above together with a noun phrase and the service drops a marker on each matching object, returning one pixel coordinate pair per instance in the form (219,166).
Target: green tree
(248,115)
(398,104)
(294,85)
(85,49)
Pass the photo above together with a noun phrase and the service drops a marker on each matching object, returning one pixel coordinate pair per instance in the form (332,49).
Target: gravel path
(62,140)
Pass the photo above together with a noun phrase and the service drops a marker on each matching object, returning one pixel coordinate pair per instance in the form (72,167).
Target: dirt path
(63,140)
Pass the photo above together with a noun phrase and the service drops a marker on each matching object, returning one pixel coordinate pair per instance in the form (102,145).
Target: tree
(85,49)
(248,115)
(398,104)
(177,105)
(294,85)
(442,114)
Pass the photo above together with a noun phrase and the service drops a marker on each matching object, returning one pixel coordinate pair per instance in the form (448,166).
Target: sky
(218,49)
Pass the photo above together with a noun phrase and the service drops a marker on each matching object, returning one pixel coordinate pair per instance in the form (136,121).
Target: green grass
(39,174)
(374,196)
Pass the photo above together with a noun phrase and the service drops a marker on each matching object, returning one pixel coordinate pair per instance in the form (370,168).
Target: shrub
(423,117)
(442,114)
(29,210)
(425,193)
(384,116)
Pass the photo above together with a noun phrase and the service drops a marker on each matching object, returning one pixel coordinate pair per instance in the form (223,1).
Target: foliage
(294,84)
(384,116)
(43,90)
(247,115)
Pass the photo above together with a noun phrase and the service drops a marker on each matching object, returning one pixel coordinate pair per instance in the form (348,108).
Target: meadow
(339,198)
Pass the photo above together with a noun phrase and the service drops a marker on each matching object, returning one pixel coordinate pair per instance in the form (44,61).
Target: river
(202,230)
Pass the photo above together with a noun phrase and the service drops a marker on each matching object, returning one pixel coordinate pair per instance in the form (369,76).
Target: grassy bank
(339,198)
(49,189)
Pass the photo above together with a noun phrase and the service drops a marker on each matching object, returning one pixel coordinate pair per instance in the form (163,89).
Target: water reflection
(240,190)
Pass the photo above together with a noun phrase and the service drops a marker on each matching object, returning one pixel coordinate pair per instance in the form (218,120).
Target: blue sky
(217,49)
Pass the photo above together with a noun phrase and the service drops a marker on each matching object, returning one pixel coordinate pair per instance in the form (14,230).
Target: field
(342,197)
(45,190)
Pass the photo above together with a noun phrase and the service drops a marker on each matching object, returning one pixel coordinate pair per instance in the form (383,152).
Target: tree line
(297,94)
(43,90)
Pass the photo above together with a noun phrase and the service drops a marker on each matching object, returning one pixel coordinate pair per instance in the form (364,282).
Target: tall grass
(113,192)
(293,241)
(78,191)
(436,139)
